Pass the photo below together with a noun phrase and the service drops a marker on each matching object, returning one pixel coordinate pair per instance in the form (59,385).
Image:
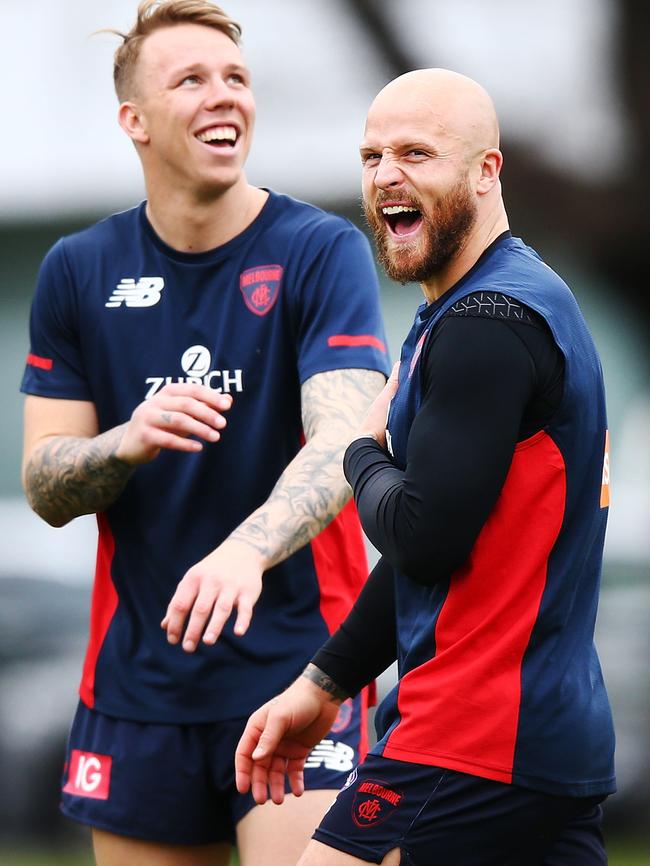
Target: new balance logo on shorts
(89,775)
(334,756)
(144,293)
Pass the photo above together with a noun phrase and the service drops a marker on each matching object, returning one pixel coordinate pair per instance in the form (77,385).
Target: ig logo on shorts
(89,775)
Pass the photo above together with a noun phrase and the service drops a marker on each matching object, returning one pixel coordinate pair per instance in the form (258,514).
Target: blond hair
(154,15)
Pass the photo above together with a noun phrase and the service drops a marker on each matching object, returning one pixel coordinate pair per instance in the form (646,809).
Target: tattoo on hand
(327,684)
(69,476)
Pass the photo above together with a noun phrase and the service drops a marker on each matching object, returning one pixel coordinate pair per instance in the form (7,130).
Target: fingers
(275,727)
(247,742)
(186,415)
(296,775)
(169,420)
(244,614)
(204,605)
(210,610)
(266,776)
(220,608)
(229,578)
(393,379)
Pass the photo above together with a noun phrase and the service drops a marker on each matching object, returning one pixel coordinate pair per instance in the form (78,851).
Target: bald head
(449,104)
(431,166)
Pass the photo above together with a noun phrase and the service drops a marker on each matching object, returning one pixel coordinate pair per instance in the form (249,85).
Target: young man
(197,366)
(486,489)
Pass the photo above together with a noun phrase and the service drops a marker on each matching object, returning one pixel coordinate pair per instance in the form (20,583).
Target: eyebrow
(199,65)
(398,147)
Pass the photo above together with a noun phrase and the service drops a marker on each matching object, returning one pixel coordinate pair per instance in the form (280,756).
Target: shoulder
(115,229)
(308,221)
(493,305)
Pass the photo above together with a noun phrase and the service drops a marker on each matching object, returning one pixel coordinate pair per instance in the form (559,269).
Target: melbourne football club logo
(145,293)
(374,802)
(260,287)
(343,717)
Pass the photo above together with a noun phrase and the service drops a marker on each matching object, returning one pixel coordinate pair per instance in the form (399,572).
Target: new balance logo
(144,293)
(335,756)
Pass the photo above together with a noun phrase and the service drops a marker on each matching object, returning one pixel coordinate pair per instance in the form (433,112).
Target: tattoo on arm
(327,684)
(69,476)
(312,489)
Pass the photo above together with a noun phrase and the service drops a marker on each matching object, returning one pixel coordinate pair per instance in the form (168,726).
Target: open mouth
(402,219)
(221,137)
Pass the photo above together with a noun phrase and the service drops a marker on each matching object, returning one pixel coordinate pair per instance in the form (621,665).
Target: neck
(486,230)
(188,223)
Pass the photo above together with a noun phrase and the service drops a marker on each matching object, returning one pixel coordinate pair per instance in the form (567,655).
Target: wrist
(239,539)
(333,692)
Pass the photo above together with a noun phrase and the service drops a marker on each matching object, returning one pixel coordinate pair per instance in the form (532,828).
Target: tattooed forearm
(312,489)
(316,675)
(69,476)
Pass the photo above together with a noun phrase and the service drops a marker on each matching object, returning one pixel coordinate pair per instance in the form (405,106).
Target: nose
(388,174)
(219,95)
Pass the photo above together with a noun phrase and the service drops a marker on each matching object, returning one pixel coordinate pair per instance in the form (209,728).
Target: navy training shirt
(116,315)
(499,675)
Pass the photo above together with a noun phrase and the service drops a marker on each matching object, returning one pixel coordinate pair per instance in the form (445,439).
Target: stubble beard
(443,234)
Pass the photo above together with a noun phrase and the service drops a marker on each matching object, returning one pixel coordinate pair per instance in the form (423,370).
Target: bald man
(481,474)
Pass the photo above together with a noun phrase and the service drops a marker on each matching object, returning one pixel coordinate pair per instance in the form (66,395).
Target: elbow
(53,516)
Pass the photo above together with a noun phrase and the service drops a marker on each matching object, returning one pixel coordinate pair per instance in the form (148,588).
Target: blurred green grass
(621,853)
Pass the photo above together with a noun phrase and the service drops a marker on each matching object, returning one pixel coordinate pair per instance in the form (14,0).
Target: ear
(490,168)
(130,118)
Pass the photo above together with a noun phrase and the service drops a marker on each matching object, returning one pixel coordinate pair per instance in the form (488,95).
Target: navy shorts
(438,817)
(175,784)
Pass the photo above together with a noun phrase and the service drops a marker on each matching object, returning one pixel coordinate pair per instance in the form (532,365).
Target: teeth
(399,208)
(218,133)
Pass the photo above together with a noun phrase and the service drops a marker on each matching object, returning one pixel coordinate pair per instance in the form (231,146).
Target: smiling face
(192,113)
(423,139)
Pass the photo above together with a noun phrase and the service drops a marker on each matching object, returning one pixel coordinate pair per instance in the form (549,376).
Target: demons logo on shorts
(373,803)
(260,287)
(343,716)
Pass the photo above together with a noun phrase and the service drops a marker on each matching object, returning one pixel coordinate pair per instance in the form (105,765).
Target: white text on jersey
(144,293)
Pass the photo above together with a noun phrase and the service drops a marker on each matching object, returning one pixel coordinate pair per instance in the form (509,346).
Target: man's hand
(278,738)
(229,577)
(169,418)
(374,423)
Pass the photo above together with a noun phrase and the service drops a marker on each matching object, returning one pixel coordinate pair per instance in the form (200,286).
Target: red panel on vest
(104,605)
(461,709)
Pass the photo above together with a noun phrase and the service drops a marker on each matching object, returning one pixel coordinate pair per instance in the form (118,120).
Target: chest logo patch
(260,287)
(374,802)
(145,293)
